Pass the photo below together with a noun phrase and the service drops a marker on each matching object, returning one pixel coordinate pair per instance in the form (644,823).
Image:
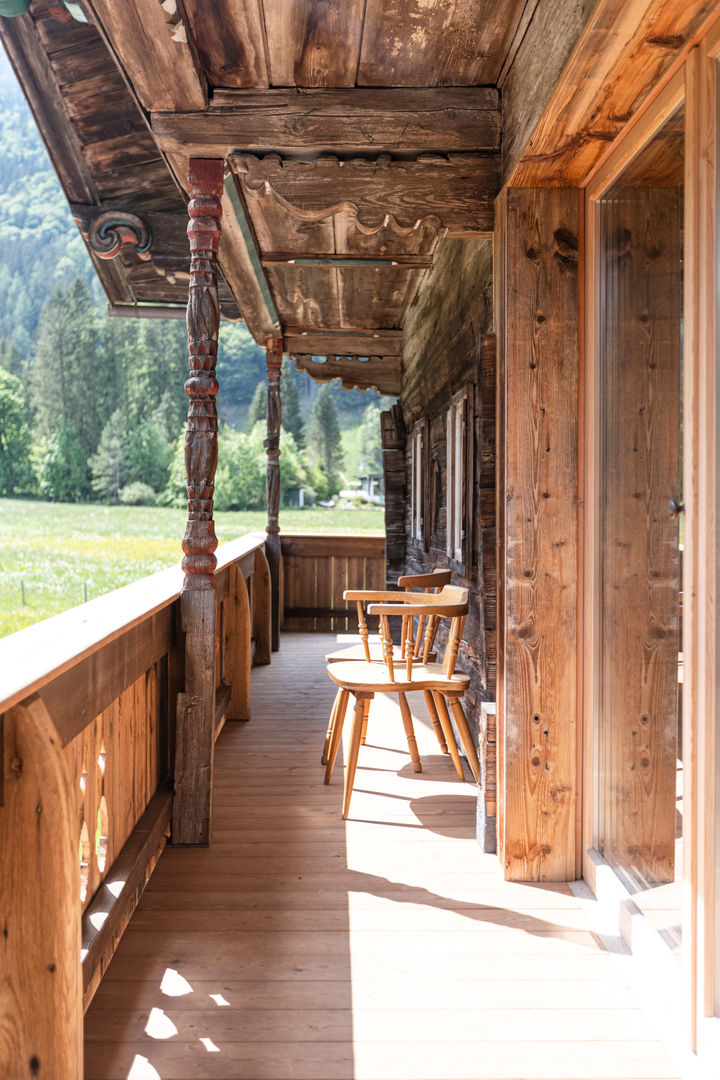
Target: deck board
(387,947)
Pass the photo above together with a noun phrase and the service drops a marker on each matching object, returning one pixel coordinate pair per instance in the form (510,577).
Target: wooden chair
(372,651)
(363,679)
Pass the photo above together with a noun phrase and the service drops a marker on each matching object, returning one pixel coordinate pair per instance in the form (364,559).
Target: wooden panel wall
(447,347)
(538,317)
(318,569)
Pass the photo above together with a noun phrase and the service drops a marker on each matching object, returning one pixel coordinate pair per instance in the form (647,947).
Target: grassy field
(55,552)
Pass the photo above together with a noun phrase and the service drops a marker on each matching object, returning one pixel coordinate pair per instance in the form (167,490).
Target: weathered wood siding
(546,46)
(447,347)
(537,322)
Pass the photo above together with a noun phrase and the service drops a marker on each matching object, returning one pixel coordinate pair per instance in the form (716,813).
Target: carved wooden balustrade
(87,728)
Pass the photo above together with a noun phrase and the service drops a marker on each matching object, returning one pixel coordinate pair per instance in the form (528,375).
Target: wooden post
(537,322)
(272,443)
(40,977)
(196,706)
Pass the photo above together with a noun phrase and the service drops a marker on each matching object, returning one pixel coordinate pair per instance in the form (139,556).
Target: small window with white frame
(457,423)
(417,489)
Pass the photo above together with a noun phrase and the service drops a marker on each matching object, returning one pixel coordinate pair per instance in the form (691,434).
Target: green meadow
(56,553)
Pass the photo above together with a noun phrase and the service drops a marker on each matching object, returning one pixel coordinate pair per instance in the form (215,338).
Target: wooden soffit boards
(260,43)
(381,373)
(336,121)
(151,42)
(624,50)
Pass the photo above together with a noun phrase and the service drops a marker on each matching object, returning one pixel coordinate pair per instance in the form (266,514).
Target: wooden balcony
(296,945)
(303,946)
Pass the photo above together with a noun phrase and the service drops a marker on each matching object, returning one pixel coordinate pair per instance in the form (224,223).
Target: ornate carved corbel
(107,232)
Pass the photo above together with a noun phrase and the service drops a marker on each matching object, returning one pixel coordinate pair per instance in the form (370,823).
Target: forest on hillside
(93,407)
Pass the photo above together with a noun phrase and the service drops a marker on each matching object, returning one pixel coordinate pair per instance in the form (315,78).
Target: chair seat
(359,675)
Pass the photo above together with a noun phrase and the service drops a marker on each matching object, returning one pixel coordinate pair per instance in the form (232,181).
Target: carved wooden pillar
(196,706)
(272,443)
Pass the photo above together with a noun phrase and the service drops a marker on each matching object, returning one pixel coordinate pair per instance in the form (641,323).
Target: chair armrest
(376,594)
(410,608)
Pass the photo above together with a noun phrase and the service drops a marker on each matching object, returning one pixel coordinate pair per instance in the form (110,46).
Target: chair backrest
(424,639)
(432,582)
(451,603)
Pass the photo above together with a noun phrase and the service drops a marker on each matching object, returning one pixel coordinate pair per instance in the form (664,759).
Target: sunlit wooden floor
(386,947)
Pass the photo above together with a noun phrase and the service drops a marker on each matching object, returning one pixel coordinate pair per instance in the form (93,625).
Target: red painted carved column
(272,443)
(196,706)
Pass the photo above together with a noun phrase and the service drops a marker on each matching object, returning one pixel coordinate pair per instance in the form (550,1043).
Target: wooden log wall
(447,347)
(393,435)
(536,253)
(318,569)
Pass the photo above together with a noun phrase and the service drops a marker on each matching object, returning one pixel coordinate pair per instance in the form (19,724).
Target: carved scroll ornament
(108,232)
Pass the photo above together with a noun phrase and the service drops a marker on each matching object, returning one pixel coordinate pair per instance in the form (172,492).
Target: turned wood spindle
(196,705)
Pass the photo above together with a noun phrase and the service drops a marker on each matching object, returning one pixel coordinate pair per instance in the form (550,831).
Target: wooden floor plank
(387,947)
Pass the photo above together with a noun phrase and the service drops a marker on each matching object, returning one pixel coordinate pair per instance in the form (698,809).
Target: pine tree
(292,417)
(370,442)
(15,472)
(109,466)
(324,441)
(73,379)
(258,406)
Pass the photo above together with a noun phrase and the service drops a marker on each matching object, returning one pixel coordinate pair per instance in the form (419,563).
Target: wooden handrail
(32,657)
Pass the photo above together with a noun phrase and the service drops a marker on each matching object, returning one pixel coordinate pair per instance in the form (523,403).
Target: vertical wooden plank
(41,983)
(237,645)
(701,588)
(274,421)
(261,609)
(323,591)
(196,707)
(539,534)
(499,308)
(340,624)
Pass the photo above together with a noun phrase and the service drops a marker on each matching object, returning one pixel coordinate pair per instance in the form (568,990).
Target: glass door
(640,341)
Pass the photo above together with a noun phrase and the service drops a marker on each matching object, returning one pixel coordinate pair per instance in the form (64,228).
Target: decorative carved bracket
(381,373)
(106,233)
(453,192)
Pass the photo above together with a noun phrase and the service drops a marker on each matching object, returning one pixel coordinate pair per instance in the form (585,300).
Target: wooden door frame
(696,83)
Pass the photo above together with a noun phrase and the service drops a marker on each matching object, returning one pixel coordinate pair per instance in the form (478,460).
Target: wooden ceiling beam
(381,373)
(465,119)
(155,51)
(457,191)
(342,342)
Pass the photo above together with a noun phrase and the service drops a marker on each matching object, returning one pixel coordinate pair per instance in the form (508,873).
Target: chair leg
(444,717)
(331,725)
(363,737)
(462,726)
(435,720)
(362,704)
(342,704)
(409,732)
